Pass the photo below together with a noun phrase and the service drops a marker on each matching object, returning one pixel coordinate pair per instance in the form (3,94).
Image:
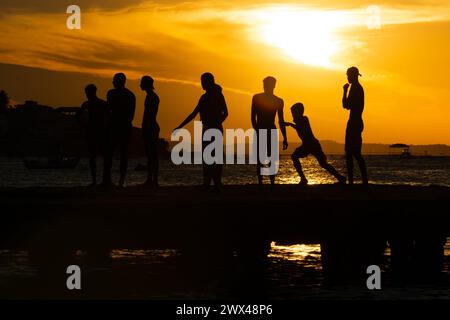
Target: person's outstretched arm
(224,109)
(253,116)
(345,103)
(132,108)
(289,124)
(282,125)
(189,117)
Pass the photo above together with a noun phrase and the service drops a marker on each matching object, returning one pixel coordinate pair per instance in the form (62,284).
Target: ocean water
(293,271)
(381,170)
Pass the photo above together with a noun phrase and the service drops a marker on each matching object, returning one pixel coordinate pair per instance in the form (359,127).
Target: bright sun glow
(304,35)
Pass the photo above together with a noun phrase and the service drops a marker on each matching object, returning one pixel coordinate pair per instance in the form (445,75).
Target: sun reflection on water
(305,254)
(141,255)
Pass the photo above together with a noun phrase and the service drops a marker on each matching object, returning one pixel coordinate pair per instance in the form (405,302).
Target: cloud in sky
(36,6)
(176,41)
(56,5)
(165,34)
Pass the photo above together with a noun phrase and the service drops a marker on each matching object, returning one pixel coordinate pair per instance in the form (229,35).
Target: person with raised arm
(353,100)
(213,111)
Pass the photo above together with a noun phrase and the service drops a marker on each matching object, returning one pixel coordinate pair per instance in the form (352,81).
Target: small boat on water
(51,163)
(405,152)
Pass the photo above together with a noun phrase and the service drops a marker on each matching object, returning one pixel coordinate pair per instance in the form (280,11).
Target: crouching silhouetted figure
(310,145)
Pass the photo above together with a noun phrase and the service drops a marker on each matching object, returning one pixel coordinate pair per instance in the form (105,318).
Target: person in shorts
(310,145)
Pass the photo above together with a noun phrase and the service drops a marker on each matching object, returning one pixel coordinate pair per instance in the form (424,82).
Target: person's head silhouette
(147,83)
(119,80)
(208,81)
(91,91)
(297,111)
(353,75)
(269,84)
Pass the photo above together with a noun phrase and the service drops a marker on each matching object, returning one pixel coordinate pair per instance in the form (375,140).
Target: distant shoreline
(283,154)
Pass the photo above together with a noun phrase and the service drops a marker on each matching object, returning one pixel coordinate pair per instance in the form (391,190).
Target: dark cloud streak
(52,6)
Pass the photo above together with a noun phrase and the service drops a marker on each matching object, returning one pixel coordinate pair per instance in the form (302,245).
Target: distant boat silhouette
(405,150)
(51,163)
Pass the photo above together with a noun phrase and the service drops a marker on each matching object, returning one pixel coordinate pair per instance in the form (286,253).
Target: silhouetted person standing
(122,104)
(354,101)
(95,129)
(310,145)
(213,112)
(150,130)
(265,107)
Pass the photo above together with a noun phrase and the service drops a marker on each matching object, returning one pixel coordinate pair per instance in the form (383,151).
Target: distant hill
(335,148)
(332,147)
(36,130)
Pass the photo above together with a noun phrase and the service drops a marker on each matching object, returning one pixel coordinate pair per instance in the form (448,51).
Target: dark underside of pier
(181,216)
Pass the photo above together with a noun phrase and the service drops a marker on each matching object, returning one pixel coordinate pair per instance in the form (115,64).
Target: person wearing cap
(353,100)
(150,130)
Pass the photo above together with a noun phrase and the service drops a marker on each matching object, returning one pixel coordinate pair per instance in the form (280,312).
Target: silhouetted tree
(4,101)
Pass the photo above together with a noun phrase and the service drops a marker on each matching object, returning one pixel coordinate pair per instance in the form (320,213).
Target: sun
(303,35)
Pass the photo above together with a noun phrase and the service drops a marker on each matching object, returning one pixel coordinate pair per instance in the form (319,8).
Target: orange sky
(307,48)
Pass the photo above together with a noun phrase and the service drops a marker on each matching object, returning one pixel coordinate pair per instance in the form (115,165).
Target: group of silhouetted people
(109,127)
(265,107)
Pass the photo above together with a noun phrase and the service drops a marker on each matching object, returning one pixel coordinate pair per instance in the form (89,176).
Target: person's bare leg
(217,177)
(108,153)
(258,173)
(152,164)
(149,180)
(123,164)
(155,169)
(93,167)
(363,168)
(349,160)
(298,167)
(272,180)
(333,171)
